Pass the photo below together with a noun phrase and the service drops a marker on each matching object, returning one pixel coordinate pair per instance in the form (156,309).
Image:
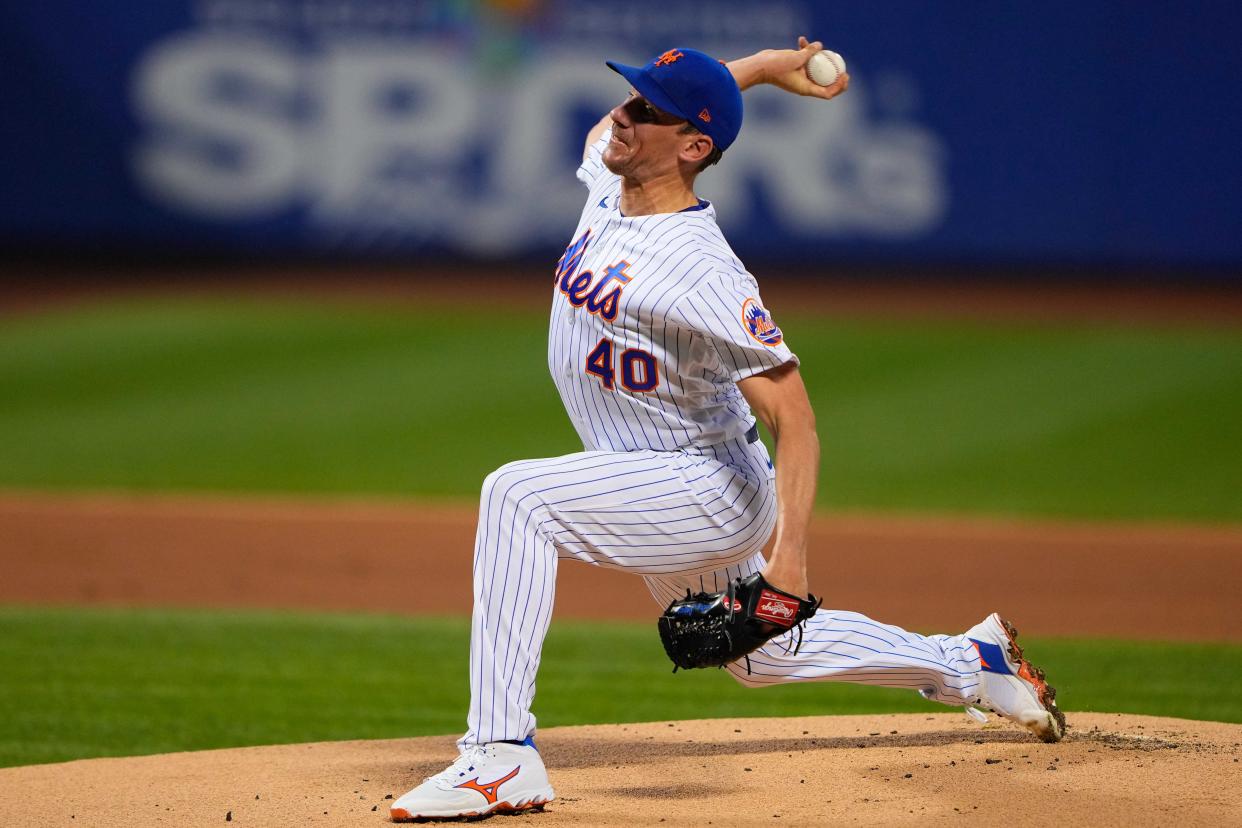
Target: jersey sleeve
(729,314)
(592,167)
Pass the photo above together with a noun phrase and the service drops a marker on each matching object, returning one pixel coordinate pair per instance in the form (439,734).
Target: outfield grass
(77,683)
(264,395)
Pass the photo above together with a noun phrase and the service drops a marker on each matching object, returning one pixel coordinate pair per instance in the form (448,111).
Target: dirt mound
(890,770)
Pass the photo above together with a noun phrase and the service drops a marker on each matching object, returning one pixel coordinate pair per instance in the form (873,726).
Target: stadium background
(273,305)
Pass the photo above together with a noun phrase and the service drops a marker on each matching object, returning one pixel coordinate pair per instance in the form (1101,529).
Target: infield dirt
(1113,580)
(861,770)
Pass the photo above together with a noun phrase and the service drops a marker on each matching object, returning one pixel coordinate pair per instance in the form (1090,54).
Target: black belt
(752,436)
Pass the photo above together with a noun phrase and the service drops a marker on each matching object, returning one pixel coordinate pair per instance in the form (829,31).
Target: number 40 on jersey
(638,368)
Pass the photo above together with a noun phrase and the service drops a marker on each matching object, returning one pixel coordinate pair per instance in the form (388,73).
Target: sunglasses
(642,112)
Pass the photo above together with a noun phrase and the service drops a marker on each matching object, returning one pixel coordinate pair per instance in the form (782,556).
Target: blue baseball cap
(692,86)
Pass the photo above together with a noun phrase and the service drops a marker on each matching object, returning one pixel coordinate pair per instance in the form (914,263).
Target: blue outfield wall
(1091,133)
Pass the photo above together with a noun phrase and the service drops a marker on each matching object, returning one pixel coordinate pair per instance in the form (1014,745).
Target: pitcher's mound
(881,770)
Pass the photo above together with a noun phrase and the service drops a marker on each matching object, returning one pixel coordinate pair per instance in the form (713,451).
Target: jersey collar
(693,208)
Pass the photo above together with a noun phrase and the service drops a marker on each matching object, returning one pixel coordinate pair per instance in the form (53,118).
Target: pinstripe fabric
(654,513)
(667,486)
(843,646)
(683,305)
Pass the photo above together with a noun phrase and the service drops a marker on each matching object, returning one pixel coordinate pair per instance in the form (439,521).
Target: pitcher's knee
(508,486)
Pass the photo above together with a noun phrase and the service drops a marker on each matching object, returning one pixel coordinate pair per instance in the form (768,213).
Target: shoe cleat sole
(535,805)
(1034,676)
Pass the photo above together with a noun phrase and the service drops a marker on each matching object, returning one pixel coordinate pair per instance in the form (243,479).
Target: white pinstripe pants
(682,520)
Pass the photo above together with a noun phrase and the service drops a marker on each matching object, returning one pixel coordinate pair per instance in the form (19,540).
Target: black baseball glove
(714,629)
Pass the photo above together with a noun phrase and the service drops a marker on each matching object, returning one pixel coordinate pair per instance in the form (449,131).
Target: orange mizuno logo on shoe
(489,789)
(671,56)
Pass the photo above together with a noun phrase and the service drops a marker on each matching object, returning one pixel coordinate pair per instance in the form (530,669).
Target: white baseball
(825,67)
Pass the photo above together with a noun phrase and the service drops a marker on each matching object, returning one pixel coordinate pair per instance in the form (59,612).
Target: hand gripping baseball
(715,629)
(786,68)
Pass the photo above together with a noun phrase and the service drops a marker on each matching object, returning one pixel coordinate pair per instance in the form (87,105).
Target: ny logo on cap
(671,56)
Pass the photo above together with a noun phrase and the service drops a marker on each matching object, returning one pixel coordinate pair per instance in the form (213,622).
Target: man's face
(645,140)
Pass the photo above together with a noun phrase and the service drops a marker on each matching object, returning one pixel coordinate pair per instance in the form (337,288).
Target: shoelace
(976,714)
(463,765)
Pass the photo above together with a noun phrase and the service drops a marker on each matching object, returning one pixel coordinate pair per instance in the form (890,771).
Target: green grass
(79,683)
(215,395)
(264,396)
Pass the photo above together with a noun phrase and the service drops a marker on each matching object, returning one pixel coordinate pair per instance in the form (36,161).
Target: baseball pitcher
(665,357)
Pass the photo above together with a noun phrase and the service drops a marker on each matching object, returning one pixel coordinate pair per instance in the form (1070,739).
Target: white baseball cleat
(1011,686)
(499,777)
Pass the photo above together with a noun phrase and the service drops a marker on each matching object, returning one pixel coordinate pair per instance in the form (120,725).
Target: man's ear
(697,148)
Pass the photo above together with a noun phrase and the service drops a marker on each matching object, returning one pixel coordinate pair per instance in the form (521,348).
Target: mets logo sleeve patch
(726,311)
(759,324)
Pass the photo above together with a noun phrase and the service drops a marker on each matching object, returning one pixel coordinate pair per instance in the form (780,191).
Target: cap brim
(648,88)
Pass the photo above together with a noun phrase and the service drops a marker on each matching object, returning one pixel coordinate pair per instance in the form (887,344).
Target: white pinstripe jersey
(654,321)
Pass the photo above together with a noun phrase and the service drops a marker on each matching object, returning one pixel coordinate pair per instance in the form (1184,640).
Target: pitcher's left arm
(778,398)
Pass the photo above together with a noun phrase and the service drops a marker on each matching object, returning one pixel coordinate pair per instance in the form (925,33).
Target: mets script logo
(600,296)
(759,324)
(671,56)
